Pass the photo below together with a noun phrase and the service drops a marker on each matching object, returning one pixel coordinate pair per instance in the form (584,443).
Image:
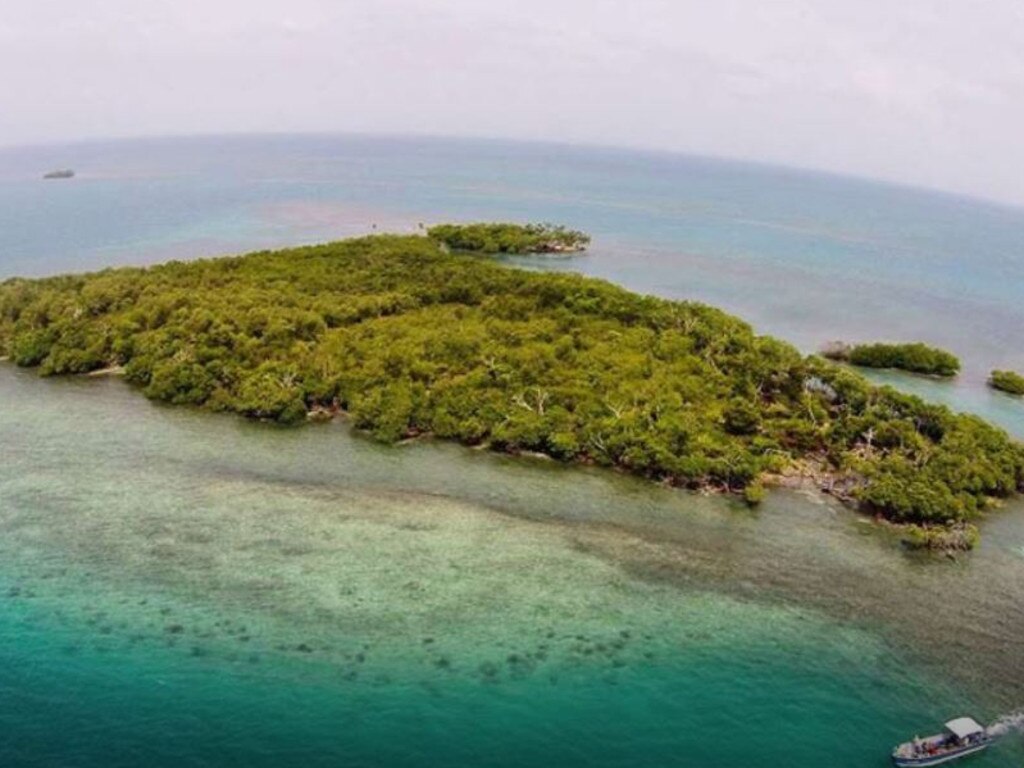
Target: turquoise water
(808,257)
(183,589)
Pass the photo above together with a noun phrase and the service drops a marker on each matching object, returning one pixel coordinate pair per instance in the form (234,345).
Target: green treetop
(1007,381)
(914,357)
(509,238)
(407,339)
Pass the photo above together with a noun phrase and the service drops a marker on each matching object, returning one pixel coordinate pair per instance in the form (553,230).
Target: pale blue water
(183,589)
(808,257)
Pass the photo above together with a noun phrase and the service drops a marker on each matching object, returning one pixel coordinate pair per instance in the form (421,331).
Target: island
(63,173)
(509,238)
(406,337)
(1007,381)
(913,358)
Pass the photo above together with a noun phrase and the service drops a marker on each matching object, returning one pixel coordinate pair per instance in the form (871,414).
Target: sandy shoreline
(112,370)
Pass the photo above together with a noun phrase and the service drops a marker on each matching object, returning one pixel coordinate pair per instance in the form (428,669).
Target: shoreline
(549,364)
(807,475)
(690,540)
(110,370)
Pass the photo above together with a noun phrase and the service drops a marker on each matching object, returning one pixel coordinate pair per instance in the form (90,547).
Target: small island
(405,338)
(63,173)
(913,358)
(509,238)
(1007,381)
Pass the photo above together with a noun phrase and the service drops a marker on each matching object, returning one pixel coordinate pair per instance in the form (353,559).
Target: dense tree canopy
(915,357)
(1007,381)
(509,238)
(408,339)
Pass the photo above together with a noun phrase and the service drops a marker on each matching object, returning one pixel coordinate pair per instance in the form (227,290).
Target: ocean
(179,588)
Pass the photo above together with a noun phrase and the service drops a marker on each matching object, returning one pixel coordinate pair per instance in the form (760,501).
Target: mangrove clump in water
(1007,381)
(509,238)
(914,358)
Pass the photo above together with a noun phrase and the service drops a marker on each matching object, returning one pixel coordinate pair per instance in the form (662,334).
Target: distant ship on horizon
(63,173)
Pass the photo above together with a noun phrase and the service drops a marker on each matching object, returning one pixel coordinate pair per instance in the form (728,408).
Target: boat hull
(945,757)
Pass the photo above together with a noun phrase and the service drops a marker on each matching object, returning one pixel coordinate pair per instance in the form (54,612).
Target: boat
(62,173)
(961,737)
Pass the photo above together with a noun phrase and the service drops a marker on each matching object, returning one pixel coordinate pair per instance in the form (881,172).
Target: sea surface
(184,589)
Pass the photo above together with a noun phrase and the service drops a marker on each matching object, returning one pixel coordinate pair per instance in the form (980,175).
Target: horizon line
(809,170)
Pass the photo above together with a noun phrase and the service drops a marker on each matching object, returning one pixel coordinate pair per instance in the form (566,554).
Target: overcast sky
(928,92)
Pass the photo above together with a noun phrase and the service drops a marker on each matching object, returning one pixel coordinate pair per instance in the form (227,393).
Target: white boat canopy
(963,727)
